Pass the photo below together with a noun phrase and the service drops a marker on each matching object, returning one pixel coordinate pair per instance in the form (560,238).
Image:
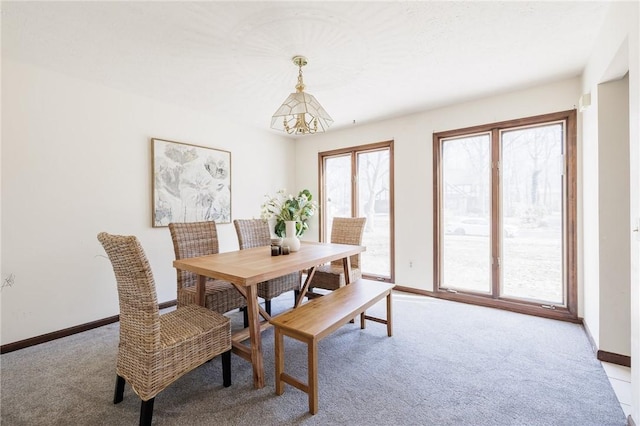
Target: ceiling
(367,60)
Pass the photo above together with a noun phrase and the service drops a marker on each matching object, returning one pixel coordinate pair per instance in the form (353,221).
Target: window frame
(353,153)
(570,310)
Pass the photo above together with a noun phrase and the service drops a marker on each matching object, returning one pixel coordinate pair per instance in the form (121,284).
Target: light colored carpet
(446,364)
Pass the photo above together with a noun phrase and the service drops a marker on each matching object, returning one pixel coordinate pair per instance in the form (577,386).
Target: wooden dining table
(245,269)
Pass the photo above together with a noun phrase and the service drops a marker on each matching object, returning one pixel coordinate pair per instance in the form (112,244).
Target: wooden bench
(320,317)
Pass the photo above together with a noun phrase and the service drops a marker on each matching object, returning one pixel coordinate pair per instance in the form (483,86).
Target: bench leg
(312,348)
(279,361)
(389,327)
(363,324)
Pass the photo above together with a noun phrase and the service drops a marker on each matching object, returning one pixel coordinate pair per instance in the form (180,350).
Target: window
(505,209)
(358,182)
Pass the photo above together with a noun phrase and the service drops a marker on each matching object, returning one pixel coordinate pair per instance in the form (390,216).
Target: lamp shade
(301,113)
(301,107)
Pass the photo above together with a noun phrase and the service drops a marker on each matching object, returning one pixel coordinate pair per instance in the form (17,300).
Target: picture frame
(191,183)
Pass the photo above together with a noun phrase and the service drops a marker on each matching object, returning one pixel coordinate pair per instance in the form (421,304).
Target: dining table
(246,268)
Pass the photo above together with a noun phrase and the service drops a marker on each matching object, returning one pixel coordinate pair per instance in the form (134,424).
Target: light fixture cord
(300,85)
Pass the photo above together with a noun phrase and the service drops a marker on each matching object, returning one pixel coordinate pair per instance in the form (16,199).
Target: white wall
(414,163)
(76,161)
(617,51)
(613,215)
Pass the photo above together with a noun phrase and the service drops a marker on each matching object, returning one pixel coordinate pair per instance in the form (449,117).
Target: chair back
(252,233)
(192,240)
(139,312)
(348,230)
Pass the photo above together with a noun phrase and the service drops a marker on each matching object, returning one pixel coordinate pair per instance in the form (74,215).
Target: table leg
(305,287)
(200,290)
(255,337)
(346,264)
(279,361)
(243,292)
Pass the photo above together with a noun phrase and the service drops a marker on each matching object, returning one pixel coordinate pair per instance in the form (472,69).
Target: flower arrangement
(284,207)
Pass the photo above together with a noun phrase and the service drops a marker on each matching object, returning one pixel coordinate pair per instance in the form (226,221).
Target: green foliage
(287,207)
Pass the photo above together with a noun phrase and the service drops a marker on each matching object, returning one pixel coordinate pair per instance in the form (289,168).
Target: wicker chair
(155,350)
(200,239)
(345,230)
(255,233)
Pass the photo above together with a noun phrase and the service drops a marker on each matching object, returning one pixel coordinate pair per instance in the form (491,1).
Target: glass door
(505,215)
(466,213)
(357,182)
(337,194)
(374,203)
(532,213)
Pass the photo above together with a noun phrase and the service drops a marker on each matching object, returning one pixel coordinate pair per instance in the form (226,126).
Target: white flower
(286,208)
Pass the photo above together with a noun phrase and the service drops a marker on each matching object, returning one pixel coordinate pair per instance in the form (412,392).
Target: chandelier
(301,113)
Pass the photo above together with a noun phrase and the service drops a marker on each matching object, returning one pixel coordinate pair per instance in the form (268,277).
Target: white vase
(291,239)
(272,227)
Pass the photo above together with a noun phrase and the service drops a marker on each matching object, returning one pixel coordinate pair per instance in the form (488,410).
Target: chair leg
(296,293)
(146,412)
(267,306)
(245,316)
(118,395)
(226,369)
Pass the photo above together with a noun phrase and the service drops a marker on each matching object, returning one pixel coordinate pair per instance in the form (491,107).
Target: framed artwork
(190,183)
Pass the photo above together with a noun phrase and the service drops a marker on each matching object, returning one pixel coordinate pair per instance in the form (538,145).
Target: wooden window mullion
(496,254)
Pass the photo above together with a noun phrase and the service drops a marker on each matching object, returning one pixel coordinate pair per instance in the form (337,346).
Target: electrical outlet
(411,264)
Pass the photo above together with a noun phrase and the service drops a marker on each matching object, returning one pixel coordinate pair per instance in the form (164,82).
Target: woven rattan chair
(155,350)
(255,233)
(344,230)
(200,239)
